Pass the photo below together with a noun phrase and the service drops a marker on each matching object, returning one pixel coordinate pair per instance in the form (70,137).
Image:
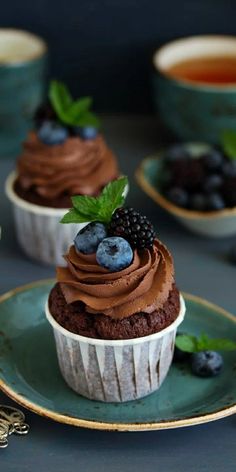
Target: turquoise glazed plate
(29,372)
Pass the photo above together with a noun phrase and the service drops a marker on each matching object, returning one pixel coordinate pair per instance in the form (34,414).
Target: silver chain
(12,421)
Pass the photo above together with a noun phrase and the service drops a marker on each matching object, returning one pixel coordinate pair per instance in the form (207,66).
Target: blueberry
(52,133)
(89,237)
(213,160)
(176,152)
(206,363)
(232,254)
(215,202)
(178,196)
(212,182)
(86,132)
(229,169)
(114,254)
(198,202)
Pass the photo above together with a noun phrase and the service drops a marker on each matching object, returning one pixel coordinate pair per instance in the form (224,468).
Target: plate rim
(100,425)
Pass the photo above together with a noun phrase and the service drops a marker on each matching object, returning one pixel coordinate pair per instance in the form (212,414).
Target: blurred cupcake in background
(64,155)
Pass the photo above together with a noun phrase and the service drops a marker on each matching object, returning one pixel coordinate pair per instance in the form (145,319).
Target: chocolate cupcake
(65,155)
(115,307)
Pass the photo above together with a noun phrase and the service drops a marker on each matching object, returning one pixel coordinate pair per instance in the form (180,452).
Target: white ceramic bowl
(115,371)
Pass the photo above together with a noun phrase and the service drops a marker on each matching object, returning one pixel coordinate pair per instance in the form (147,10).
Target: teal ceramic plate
(30,374)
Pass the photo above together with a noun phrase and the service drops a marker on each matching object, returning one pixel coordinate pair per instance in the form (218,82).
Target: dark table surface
(202,268)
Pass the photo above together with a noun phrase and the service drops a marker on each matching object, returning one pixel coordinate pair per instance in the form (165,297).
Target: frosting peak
(76,167)
(143,286)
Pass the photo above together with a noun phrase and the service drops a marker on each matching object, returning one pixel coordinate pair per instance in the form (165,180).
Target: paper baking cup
(115,371)
(39,231)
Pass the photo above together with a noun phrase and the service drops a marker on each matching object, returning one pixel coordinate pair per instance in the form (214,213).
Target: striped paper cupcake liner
(115,371)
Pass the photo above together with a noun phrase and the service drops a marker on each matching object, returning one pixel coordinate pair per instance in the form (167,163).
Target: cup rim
(117,342)
(33,56)
(31,207)
(185,83)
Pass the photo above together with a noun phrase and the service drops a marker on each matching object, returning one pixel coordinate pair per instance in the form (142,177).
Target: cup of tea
(23,58)
(195,86)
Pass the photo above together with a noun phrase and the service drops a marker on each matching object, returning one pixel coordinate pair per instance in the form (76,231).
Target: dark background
(104,47)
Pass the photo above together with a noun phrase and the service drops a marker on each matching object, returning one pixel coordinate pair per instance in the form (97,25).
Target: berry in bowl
(196,183)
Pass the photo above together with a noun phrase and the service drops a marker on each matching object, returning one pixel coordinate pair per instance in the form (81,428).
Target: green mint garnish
(69,111)
(190,343)
(97,208)
(228,142)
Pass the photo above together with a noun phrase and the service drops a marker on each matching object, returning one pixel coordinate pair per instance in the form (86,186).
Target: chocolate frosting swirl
(142,287)
(76,167)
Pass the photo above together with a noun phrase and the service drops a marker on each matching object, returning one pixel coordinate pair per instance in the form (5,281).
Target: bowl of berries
(196,183)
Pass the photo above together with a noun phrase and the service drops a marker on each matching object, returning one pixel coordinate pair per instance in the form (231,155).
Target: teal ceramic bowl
(194,111)
(23,59)
(214,224)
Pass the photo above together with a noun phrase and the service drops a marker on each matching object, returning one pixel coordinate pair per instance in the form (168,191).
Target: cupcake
(64,155)
(115,307)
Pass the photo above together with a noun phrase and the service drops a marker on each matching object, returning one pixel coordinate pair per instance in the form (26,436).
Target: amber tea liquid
(207,70)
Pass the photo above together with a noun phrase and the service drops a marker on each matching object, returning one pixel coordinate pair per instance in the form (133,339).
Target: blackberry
(135,228)
(229,191)
(44,113)
(187,174)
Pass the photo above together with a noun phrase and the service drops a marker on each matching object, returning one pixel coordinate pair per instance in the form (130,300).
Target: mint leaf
(114,191)
(100,208)
(60,94)
(190,343)
(60,98)
(113,197)
(228,141)
(205,343)
(88,206)
(79,107)
(186,342)
(202,341)
(74,216)
(69,111)
(87,119)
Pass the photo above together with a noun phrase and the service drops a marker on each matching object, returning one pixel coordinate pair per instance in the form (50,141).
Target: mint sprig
(69,111)
(228,142)
(97,208)
(190,343)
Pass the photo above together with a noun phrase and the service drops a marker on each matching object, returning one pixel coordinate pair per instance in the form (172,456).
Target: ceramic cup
(23,58)
(39,231)
(194,111)
(115,371)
